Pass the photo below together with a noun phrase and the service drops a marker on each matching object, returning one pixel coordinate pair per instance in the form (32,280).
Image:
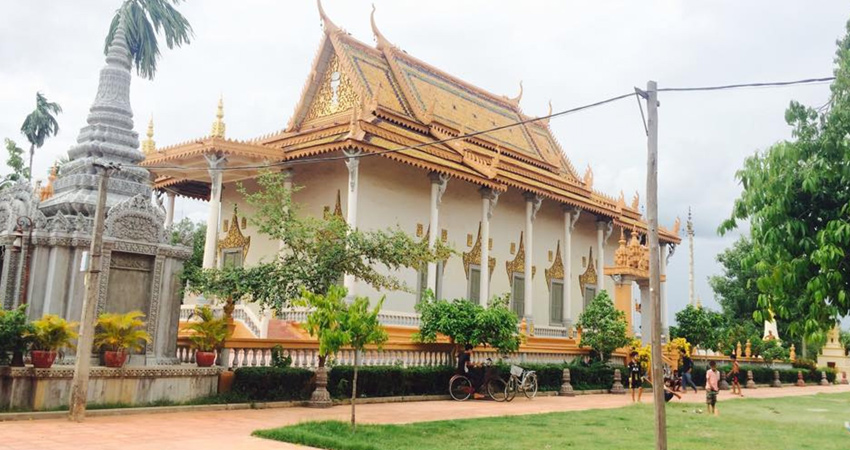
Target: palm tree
(143,20)
(40,124)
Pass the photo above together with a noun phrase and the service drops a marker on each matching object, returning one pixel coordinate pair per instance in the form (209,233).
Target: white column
(532,205)
(600,255)
(489,198)
(665,314)
(169,208)
(216,164)
(353,164)
(571,216)
(645,313)
(438,187)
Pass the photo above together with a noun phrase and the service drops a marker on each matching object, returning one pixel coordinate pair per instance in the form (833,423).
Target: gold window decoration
(419,230)
(589,277)
(473,256)
(444,235)
(518,263)
(234,247)
(335,92)
(556,271)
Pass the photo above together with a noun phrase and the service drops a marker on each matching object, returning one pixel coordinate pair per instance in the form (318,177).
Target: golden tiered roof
(381,98)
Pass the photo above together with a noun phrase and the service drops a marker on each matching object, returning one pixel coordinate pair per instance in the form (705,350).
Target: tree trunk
(32,152)
(354,390)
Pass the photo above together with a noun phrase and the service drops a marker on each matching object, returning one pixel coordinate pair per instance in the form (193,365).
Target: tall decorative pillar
(353,163)
(438,187)
(532,205)
(217,163)
(169,208)
(571,216)
(663,270)
(603,231)
(489,199)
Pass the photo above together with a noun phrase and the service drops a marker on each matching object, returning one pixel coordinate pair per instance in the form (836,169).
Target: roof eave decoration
(327,24)
(382,42)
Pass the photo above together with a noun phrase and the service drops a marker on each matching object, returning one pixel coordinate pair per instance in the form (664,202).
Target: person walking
(735,374)
(712,387)
(686,372)
(635,376)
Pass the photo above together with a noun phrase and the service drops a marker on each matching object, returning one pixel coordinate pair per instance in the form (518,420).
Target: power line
(747,85)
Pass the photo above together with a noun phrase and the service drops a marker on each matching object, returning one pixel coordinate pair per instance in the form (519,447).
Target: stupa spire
(108,137)
(218,126)
(149,145)
(689,228)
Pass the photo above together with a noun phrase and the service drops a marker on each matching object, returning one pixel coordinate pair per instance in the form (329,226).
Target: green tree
(467,323)
(143,21)
(40,125)
(229,284)
(318,252)
(194,234)
(359,322)
(603,327)
(15,162)
(736,288)
(796,200)
(844,337)
(699,326)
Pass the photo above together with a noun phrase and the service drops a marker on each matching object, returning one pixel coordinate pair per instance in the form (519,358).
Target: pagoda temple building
(374,122)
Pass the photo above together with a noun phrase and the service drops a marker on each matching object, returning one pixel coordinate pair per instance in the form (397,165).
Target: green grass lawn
(793,423)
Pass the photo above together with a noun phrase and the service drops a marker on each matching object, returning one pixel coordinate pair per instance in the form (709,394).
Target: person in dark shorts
(712,386)
(669,393)
(685,370)
(467,369)
(635,376)
(734,374)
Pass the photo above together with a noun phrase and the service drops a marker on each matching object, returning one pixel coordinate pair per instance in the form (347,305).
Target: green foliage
(699,326)
(143,20)
(273,383)
(804,363)
(186,231)
(15,332)
(15,162)
(795,199)
(278,359)
(230,284)
(40,124)
(773,351)
(736,288)
(740,332)
(468,323)
(117,332)
(844,338)
(320,251)
(360,324)
(209,332)
(603,327)
(389,381)
(51,333)
(324,320)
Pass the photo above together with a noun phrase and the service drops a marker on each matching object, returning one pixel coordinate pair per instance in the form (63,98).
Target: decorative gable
(335,94)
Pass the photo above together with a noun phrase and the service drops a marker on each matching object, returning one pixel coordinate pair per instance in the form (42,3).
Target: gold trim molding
(473,256)
(234,238)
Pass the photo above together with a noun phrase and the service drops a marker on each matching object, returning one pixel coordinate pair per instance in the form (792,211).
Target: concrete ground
(230,430)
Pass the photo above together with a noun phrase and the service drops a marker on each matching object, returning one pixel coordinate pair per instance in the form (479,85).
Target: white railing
(562,332)
(309,358)
(525,358)
(241,313)
(299,315)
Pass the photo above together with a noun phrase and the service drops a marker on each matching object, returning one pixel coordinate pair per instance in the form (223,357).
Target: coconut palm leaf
(40,124)
(143,21)
(51,332)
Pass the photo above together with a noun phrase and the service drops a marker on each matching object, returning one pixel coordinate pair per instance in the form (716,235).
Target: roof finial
(516,99)
(327,25)
(218,126)
(383,43)
(148,145)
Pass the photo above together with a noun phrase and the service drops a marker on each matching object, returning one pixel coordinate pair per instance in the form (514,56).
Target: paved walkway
(212,430)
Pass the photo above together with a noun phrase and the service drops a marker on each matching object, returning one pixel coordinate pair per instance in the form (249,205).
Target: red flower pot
(115,359)
(42,359)
(205,359)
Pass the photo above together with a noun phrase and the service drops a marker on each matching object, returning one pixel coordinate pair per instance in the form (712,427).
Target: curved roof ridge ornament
(382,42)
(327,24)
(515,100)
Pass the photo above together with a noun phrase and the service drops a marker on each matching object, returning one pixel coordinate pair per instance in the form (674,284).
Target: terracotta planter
(42,359)
(205,359)
(115,359)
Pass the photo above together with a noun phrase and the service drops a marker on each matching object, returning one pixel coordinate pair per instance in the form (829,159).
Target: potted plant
(15,335)
(207,335)
(48,335)
(119,334)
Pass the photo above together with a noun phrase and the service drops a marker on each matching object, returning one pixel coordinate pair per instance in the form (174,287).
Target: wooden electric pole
(80,383)
(655,264)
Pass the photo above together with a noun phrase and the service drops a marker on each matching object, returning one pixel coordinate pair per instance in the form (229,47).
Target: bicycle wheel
(497,389)
(513,387)
(460,388)
(530,385)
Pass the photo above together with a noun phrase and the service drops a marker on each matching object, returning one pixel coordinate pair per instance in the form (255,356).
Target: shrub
(390,381)
(805,364)
(51,333)
(15,332)
(273,383)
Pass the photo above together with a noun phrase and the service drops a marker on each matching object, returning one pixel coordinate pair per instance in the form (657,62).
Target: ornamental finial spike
(383,43)
(326,21)
(218,127)
(149,145)
(516,99)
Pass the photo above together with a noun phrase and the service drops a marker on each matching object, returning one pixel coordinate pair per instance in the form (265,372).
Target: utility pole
(80,383)
(655,264)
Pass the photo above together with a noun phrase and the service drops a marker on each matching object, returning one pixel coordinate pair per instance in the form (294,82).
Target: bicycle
(461,387)
(523,380)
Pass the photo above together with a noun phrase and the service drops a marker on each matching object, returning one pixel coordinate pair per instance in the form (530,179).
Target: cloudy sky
(257,53)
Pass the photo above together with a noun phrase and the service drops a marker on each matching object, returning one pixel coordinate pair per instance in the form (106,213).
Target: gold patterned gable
(518,263)
(589,277)
(234,238)
(556,271)
(336,93)
(473,256)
